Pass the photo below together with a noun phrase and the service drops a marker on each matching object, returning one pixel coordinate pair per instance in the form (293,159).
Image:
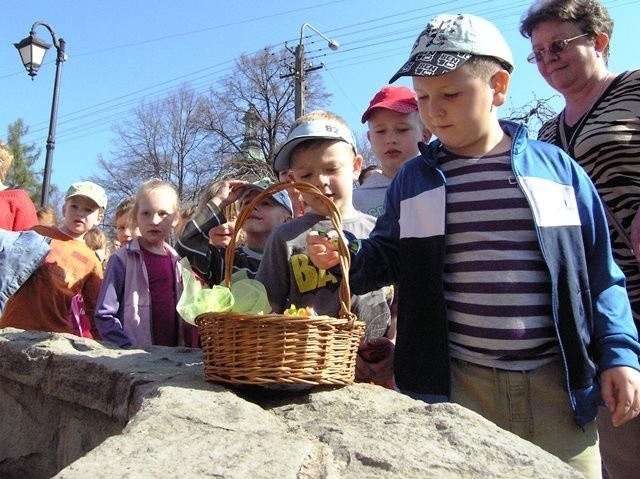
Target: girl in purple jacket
(137,301)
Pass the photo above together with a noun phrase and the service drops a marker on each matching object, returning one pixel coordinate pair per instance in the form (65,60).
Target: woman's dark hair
(590,15)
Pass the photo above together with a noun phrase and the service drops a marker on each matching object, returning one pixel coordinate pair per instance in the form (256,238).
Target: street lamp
(300,70)
(32,51)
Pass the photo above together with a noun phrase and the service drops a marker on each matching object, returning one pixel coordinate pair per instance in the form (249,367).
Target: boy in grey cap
(321,150)
(511,302)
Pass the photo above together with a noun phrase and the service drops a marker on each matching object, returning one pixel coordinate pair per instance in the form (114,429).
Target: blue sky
(122,52)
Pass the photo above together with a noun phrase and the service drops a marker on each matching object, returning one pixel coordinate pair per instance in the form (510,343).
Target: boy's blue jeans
(532,404)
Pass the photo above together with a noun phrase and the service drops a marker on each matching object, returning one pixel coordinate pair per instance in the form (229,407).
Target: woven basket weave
(265,349)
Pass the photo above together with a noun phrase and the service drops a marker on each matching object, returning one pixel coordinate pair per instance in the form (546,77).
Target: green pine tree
(21,174)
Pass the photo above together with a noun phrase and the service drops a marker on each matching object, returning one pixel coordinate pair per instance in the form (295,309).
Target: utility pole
(300,69)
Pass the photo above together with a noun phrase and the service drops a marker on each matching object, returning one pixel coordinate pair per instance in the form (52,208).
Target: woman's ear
(499,83)
(601,42)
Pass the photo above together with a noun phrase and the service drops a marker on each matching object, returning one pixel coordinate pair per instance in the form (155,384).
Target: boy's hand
(222,193)
(621,393)
(322,250)
(374,363)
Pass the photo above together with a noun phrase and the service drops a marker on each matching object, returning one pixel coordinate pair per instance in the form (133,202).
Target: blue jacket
(21,253)
(590,305)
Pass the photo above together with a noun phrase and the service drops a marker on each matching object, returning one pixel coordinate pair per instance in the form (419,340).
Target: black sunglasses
(556,47)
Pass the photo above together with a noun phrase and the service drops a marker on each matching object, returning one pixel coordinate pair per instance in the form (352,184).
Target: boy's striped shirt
(497,286)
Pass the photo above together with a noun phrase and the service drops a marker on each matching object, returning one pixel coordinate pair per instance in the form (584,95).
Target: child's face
(220,236)
(266,215)
(80,215)
(123,229)
(332,169)
(156,216)
(296,198)
(284,176)
(394,137)
(458,108)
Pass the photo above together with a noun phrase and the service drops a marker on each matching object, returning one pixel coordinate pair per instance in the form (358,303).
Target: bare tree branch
(534,113)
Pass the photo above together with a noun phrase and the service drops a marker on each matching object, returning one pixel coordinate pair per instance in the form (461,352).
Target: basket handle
(336,220)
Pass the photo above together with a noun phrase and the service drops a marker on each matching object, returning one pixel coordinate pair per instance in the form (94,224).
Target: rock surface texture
(74,408)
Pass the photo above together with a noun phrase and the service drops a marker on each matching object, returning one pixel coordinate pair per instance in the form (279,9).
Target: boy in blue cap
(207,259)
(511,303)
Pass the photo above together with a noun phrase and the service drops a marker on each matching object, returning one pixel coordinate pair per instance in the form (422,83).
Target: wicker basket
(264,349)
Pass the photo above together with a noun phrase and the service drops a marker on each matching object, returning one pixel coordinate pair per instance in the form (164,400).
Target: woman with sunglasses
(599,127)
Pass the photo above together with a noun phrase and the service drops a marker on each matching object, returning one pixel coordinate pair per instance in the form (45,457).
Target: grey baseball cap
(448,41)
(316,129)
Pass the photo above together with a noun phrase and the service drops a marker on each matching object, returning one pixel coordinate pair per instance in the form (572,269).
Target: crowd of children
(490,250)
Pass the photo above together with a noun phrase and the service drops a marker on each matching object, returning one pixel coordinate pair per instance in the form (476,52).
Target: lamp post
(32,51)
(300,70)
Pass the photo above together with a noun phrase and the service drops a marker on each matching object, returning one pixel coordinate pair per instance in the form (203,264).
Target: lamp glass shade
(32,51)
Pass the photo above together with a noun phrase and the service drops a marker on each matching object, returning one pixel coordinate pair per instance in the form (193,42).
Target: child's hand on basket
(374,363)
(322,249)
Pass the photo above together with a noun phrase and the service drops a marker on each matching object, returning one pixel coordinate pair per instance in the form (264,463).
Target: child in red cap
(395,128)
(394,131)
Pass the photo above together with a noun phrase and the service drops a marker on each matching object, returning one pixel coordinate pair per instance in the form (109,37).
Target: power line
(144,93)
(360,41)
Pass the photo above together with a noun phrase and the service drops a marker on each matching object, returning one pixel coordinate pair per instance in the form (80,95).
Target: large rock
(78,409)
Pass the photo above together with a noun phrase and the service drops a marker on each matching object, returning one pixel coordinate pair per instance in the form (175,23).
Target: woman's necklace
(578,126)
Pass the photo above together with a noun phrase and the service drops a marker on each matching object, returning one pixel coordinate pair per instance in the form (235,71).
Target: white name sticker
(552,204)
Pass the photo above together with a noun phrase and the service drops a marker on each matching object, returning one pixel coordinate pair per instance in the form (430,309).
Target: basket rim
(205,318)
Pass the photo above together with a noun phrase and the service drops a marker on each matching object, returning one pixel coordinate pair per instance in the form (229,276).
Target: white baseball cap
(316,129)
(90,190)
(450,40)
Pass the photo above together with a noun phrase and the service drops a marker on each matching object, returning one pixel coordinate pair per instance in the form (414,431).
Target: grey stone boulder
(75,408)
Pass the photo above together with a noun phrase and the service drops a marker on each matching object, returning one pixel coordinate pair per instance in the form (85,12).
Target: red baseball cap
(396,98)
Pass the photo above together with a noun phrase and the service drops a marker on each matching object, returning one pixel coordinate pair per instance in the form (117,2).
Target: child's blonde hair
(483,67)
(97,241)
(6,160)
(146,188)
(47,216)
(186,214)
(95,238)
